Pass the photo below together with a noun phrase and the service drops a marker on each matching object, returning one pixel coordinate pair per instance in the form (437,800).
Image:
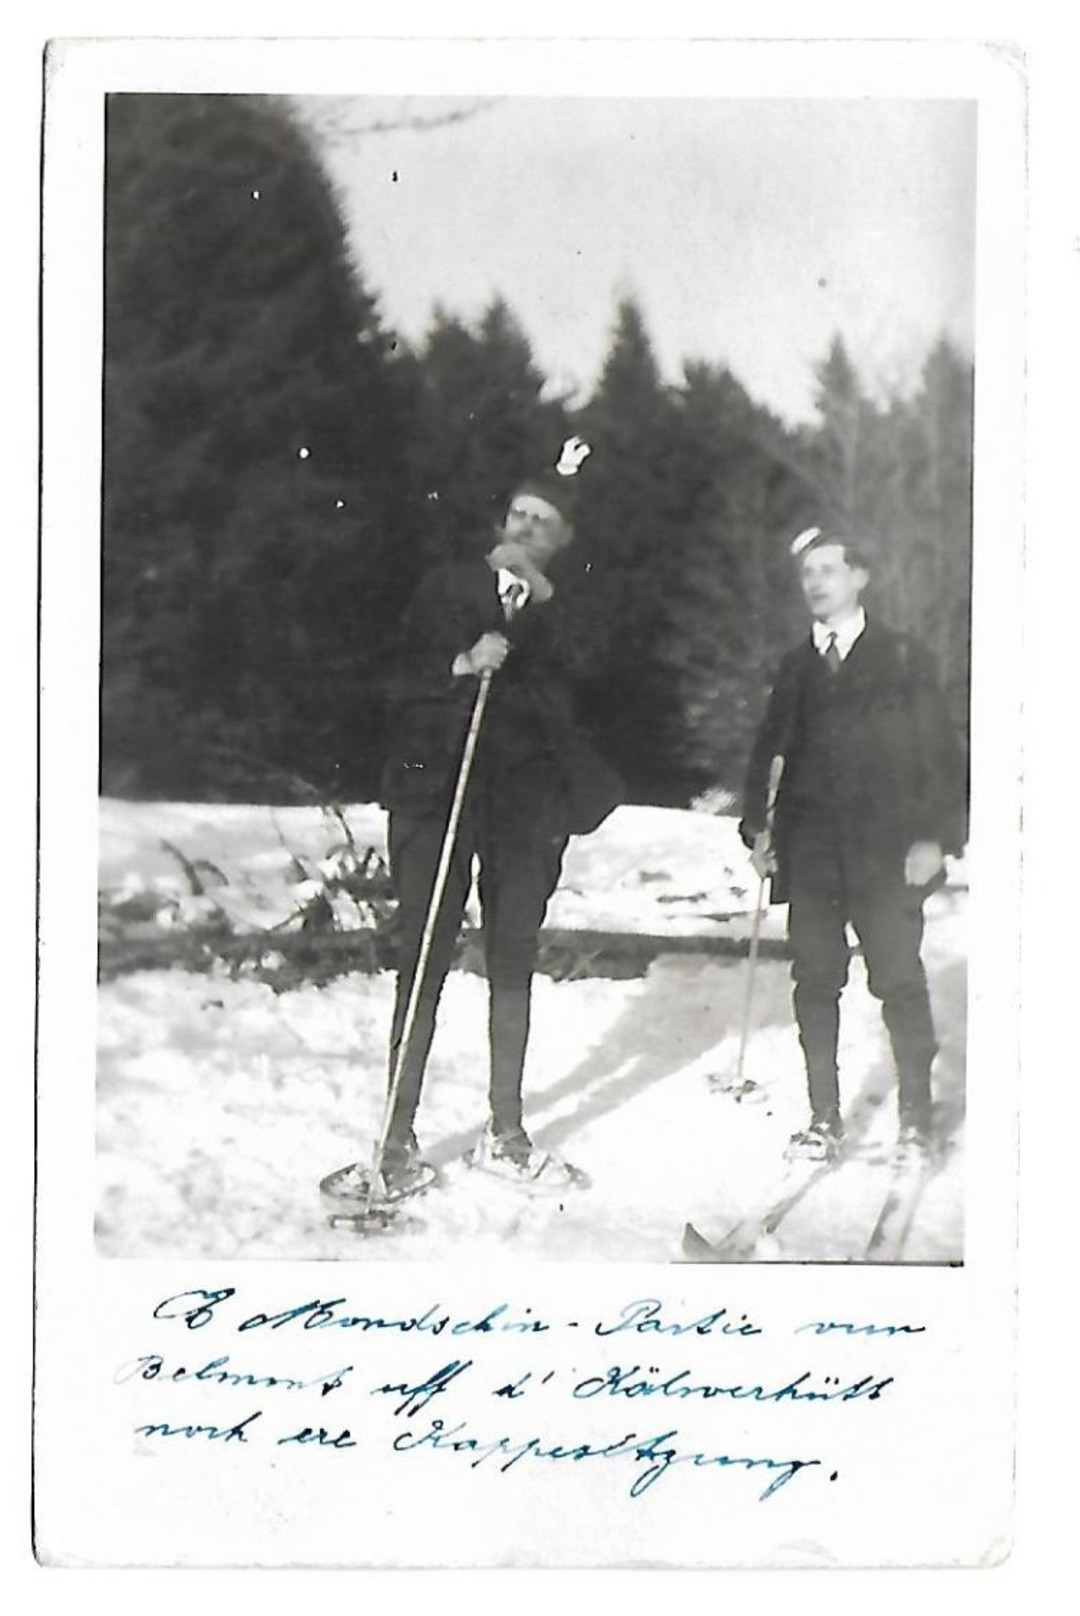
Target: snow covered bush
(716,800)
(324,914)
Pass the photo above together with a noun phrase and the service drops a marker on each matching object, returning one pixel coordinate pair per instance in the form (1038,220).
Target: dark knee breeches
(518,874)
(826,891)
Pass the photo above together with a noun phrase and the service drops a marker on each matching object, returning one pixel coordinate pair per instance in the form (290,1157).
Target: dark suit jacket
(898,776)
(538,774)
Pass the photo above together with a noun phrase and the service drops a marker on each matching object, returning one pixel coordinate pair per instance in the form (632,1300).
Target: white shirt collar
(507,580)
(847,631)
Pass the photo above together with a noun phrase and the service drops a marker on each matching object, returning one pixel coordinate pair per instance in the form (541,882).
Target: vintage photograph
(536,581)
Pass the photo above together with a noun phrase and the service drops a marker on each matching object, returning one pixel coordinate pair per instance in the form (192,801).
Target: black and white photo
(340,337)
(528,1030)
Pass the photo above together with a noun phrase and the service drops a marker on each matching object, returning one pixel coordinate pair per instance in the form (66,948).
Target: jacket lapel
(869,655)
(868,667)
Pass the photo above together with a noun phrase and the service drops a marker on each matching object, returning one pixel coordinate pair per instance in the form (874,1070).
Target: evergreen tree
(836,461)
(627,518)
(255,502)
(730,607)
(483,424)
(899,476)
(942,468)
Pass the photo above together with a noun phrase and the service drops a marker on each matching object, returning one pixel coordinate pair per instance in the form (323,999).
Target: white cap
(802,541)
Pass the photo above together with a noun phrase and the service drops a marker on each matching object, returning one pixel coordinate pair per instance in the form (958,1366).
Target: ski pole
(776,772)
(442,871)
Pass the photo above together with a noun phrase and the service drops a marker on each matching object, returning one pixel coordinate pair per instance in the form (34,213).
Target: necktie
(833,659)
(512,599)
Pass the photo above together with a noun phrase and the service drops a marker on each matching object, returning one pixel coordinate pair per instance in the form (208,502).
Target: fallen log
(564,951)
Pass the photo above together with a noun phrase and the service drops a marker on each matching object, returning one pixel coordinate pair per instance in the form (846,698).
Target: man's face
(537,526)
(831,587)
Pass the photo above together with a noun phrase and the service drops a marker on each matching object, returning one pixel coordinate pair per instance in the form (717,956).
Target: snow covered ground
(221,1103)
(645,870)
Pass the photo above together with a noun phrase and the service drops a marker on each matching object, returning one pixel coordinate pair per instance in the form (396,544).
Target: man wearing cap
(534,782)
(871,798)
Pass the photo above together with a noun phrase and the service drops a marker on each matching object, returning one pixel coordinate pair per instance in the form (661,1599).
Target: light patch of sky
(750,231)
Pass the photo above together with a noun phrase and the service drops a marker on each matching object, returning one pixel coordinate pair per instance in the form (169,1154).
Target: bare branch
(332,118)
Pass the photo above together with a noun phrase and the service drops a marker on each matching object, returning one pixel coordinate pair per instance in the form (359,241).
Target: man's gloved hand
(486,656)
(924,861)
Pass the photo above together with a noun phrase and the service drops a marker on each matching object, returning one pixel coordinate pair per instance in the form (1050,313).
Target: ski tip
(696,1247)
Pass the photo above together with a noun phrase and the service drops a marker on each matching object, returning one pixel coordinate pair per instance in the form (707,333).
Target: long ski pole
(438,888)
(776,773)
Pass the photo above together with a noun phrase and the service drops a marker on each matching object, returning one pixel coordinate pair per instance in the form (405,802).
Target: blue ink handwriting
(321,1438)
(318,1315)
(645,1316)
(194,1317)
(151,1366)
(213,1433)
(827,1327)
(649,1451)
(619,1382)
(414,1398)
(653,1326)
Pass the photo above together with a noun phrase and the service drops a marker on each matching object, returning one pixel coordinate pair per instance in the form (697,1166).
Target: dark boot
(404,1170)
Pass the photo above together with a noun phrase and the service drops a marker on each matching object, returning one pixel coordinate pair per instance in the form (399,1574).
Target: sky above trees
(750,232)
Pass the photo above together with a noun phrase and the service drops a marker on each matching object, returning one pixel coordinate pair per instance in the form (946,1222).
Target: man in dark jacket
(534,782)
(871,798)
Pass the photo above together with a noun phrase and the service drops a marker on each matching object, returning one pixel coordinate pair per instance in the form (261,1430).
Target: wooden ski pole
(438,888)
(776,773)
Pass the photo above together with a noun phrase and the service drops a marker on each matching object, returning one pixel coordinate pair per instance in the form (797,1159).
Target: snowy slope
(221,1103)
(652,870)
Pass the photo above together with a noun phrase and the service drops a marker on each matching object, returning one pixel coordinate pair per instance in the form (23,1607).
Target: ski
(696,1248)
(899,1208)
(741,1241)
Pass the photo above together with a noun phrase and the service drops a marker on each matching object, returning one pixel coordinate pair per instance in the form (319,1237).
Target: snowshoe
(347,1194)
(514,1158)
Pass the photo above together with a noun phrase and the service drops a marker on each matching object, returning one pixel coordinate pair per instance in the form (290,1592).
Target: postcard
(529,934)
